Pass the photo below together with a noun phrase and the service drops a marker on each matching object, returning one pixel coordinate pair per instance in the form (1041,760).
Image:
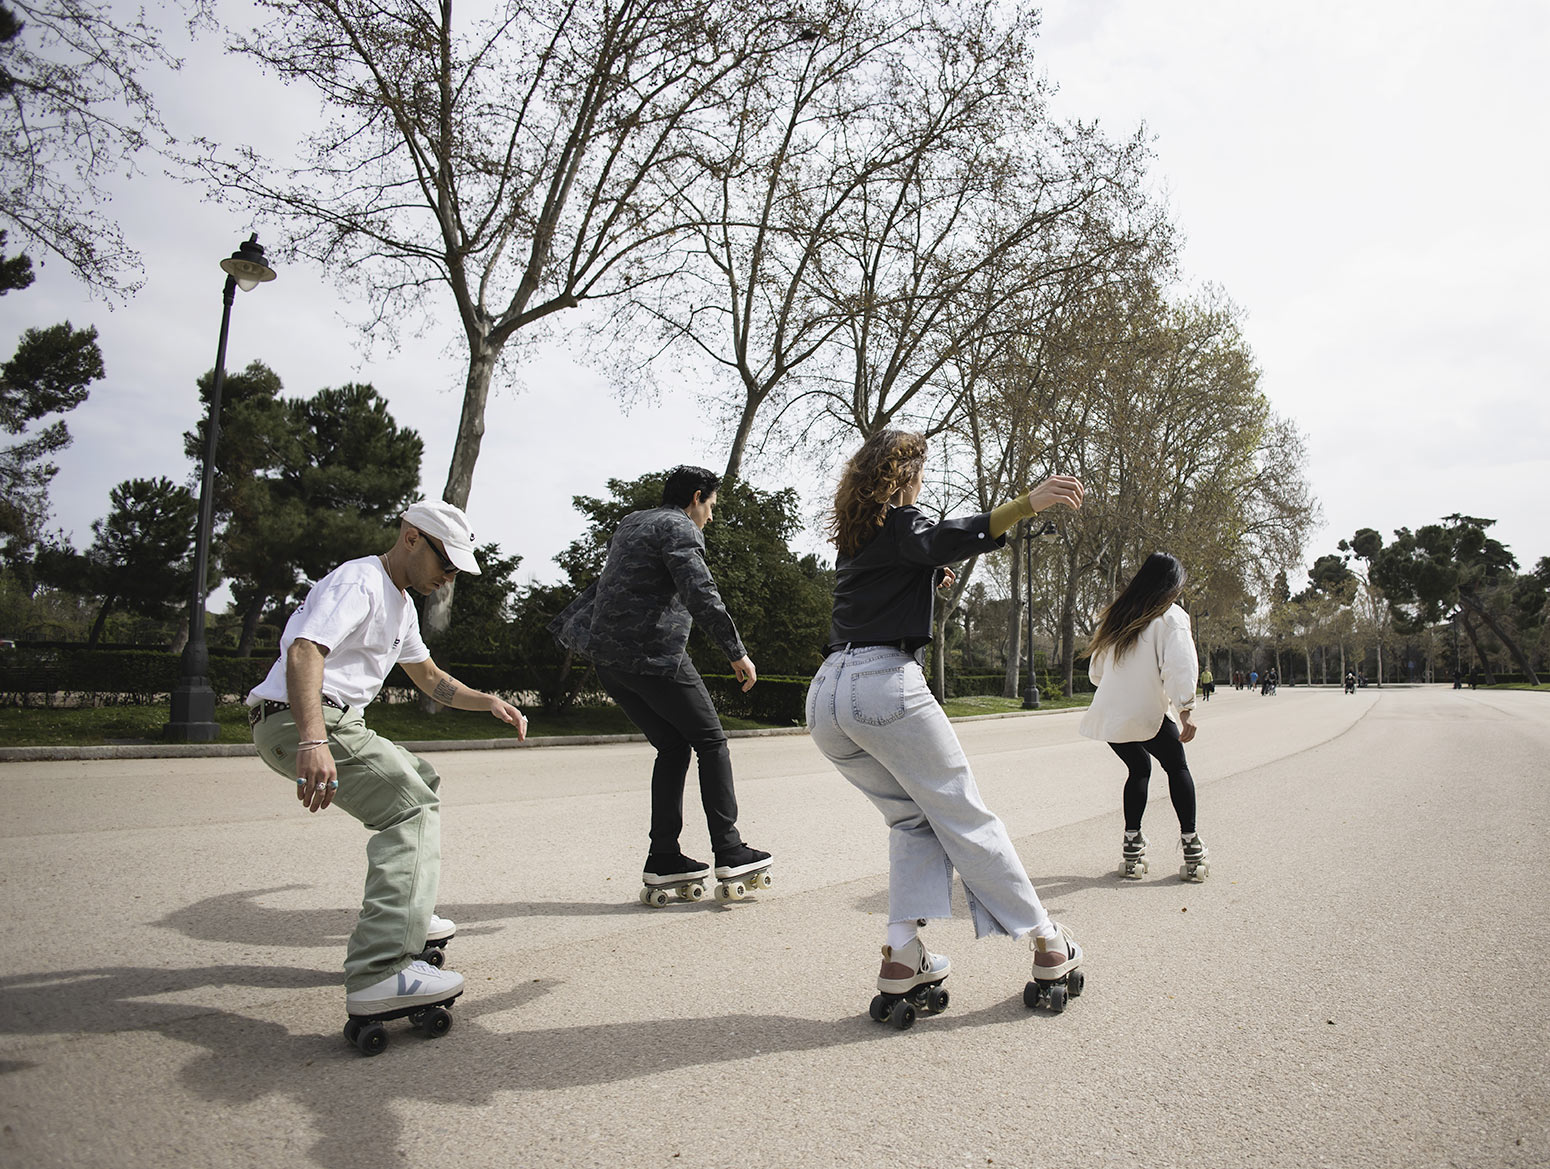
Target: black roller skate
(1132,857)
(1195,868)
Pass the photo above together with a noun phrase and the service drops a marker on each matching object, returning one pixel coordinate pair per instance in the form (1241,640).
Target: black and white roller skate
(909,982)
(740,872)
(1057,974)
(1132,857)
(681,874)
(1195,867)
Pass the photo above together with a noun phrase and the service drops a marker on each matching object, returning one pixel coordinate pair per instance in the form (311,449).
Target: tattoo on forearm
(445,692)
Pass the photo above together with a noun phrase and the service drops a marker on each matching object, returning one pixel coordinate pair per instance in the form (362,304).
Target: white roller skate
(1132,857)
(440,931)
(909,981)
(1195,867)
(1057,973)
(740,872)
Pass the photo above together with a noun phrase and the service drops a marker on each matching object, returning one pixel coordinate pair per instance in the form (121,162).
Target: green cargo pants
(394,794)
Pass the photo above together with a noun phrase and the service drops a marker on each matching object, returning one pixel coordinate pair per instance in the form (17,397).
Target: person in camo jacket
(633,623)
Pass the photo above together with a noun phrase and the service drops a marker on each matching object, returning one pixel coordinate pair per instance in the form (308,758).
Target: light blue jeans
(871,713)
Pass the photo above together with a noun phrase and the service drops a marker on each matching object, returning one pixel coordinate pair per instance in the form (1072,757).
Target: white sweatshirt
(1156,677)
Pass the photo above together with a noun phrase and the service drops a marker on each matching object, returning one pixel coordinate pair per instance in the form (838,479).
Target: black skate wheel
(1057,998)
(1075,981)
(878,1009)
(902,1016)
(437,1022)
(433,957)
(352,1029)
(1031,995)
(372,1039)
(937,999)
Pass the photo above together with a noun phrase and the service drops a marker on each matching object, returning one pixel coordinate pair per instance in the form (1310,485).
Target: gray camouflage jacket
(655,585)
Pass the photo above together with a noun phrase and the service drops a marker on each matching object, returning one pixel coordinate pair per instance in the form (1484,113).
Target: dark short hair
(682,482)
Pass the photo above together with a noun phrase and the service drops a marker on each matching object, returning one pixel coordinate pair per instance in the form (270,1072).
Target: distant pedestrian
(1143,664)
(1207,684)
(1253,679)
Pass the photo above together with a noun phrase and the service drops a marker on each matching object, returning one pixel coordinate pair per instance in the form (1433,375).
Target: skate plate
(740,886)
(655,894)
(1133,870)
(1054,991)
(370,1037)
(900,1009)
(1196,872)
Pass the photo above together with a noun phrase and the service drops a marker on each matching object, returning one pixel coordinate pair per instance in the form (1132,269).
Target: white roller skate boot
(440,931)
(909,981)
(1195,867)
(1132,857)
(1057,974)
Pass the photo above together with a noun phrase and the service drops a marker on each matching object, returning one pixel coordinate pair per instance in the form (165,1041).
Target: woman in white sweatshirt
(1143,663)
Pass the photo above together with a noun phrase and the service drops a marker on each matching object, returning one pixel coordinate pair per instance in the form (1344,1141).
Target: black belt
(264,708)
(899,643)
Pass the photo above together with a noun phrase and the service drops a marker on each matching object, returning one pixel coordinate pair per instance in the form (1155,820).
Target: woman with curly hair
(1143,664)
(871,713)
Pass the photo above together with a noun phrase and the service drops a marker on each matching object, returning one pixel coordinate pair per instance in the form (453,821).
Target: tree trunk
(1014,627)
(102,619)
(250,619)
(1485,662)
(1502,635)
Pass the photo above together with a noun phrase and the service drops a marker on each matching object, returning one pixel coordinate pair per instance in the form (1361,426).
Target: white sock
(901,933)
(1188,836)
(1129,835)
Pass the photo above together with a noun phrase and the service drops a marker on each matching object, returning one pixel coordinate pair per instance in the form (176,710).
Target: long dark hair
(1155,586)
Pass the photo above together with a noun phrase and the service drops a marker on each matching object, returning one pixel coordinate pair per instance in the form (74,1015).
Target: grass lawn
(995,704)
(39,726)
(400,721)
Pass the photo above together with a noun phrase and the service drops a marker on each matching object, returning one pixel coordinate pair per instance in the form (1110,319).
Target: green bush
(777,701)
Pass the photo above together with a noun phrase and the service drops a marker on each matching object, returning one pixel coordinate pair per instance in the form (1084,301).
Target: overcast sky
(1366,180)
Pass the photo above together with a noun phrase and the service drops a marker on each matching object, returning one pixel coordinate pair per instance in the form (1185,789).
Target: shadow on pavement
(238,917)
(359,1106)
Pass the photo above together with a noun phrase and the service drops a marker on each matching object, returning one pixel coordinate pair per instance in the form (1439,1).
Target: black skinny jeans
(1165,747)
(676,716)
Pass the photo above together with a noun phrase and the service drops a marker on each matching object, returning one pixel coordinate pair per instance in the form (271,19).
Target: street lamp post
(193,701)
(1030,534)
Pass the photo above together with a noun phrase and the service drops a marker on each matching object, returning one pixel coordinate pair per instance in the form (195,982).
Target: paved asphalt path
(1361,982)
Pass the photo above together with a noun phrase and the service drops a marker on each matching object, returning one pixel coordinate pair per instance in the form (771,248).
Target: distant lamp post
(193,701)
(1031,533)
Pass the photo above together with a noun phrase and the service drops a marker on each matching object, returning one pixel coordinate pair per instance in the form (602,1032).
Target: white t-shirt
(366,624)
(1135,694)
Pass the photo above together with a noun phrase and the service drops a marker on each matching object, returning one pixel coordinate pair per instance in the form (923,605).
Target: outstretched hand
(1061,489)
(510,714)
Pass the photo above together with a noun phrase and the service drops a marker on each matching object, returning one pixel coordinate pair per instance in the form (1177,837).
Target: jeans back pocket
(877,696)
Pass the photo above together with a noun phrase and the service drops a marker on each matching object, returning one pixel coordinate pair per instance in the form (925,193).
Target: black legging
(1168,751)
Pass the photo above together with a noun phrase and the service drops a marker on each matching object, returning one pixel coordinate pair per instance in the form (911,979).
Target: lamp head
(246,265)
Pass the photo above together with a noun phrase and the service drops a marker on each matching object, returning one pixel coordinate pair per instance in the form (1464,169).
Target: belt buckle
(255,713)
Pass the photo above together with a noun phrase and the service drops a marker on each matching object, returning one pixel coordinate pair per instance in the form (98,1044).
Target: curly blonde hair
(886,463)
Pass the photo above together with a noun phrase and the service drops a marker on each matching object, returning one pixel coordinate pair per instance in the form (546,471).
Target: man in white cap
(337,650)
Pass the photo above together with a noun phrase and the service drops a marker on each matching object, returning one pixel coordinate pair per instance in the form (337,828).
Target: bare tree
(74,112)
(522,167)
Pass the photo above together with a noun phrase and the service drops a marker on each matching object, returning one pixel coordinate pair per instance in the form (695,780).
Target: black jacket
(636,616)
(886,591)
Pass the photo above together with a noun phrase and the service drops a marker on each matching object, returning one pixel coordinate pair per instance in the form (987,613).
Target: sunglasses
(447,567)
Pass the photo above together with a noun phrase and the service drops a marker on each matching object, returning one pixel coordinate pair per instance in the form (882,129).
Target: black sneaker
(668,870)
(740,860)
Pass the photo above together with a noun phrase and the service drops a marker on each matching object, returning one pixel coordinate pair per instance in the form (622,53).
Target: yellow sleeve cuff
(1003,517)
